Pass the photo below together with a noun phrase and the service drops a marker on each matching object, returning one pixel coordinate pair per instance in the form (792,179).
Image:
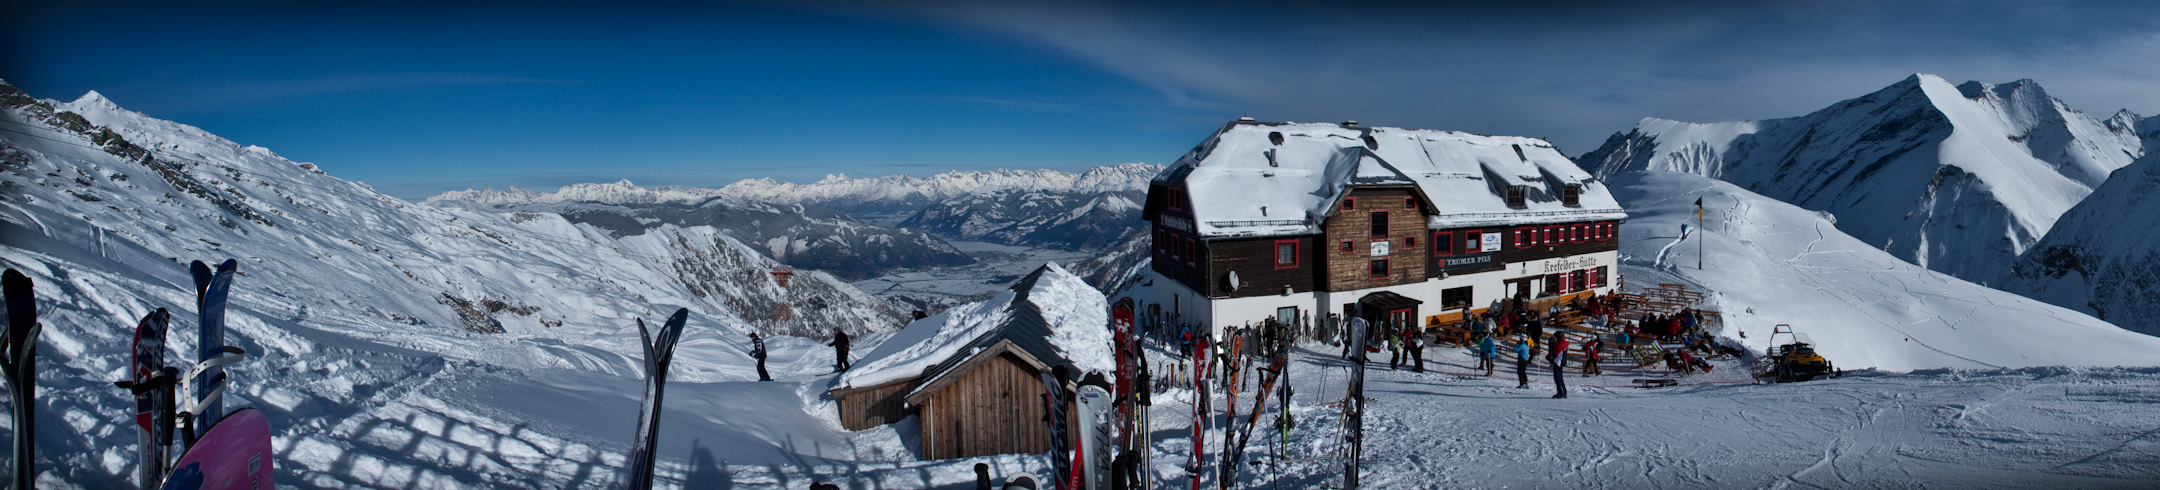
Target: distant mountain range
(2103,256)
(1959,178)
(800,235)
(809,225)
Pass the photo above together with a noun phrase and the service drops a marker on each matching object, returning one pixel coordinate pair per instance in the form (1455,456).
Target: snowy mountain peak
(93,99)
(1958,178)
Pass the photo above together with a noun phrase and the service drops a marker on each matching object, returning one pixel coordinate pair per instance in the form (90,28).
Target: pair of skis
(658,354)
(1201,410)
(219,449)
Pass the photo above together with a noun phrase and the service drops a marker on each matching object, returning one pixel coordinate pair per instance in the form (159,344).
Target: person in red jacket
(1557,357)
(1590,356)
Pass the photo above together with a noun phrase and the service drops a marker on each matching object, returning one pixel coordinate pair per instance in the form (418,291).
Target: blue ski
(208,386)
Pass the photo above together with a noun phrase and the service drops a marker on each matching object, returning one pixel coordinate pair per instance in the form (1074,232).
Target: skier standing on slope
(757,351)
(1590,357)
(1557,357)
(1414,341)
(839,345)
(1485,354)
(1522,363)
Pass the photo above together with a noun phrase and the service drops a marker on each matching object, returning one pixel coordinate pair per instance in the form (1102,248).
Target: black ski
(20,366)
(658,352)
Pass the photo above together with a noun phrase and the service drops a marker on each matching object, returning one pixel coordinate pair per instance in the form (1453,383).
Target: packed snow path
(2025,428)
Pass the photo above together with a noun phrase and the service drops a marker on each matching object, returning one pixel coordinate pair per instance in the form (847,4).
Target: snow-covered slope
(1957,178)
(360,312)
(2103,257)
(800,235)
(1767,263)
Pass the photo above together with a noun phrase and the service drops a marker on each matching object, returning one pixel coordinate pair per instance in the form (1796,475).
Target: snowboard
(235,454)
(658,353)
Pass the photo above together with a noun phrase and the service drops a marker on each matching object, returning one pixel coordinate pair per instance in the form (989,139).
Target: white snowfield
(842,190)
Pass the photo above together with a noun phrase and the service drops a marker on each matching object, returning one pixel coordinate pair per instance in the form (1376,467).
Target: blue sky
(416,99)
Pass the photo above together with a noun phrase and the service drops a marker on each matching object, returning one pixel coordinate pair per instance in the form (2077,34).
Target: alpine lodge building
(1302,220)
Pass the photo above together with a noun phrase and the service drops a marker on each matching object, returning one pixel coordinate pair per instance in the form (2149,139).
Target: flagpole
(1698,226)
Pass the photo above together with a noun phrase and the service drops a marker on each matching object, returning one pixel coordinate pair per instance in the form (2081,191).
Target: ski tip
(229,265)
(13,277)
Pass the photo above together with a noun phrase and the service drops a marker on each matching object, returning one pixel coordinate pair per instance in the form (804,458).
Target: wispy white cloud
(1577,72)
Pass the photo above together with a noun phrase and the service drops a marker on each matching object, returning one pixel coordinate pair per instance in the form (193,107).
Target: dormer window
(1571,195)
(1515,197)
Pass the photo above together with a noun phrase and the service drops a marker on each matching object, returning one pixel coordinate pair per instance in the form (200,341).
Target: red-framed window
(1473,241)
(1192,252)
(1443,244)
(1550,235)
(1582,232)
(1162,246)
(1349,204)
(1409,202)
(1175,199)
(1378,268)
(1599,276)
(1602,231)
(1409,242)
(1347,246)
(1286,254)
(1379,224)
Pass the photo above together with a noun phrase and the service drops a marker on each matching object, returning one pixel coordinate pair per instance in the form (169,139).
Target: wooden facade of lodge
(1281,220)
(984,400)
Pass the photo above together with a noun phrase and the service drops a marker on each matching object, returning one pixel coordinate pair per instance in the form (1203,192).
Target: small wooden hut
(980,397)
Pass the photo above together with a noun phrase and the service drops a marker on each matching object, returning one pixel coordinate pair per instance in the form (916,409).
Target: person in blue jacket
(1522,363)
(1485,354)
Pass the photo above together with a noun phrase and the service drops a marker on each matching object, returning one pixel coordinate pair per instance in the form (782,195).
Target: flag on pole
(1698,209)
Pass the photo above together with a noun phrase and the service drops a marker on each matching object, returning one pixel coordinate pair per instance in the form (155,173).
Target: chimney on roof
(1349,124)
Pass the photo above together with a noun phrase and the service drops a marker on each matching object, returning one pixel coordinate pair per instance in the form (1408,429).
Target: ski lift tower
(780,275)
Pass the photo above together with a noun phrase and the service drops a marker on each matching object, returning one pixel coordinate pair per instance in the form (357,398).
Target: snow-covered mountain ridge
(2103,256)
(1957,178)
(353,306)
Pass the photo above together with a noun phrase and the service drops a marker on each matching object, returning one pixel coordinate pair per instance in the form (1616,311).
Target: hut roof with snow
(983,357)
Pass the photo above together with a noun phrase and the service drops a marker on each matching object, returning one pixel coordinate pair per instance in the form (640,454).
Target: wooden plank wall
(875,406)
(993,409)
(1254,261)
(1351,271)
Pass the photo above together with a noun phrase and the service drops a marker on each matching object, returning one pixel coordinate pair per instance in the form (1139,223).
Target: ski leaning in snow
(1200,411)
(208,376)
(1096,402)
(20,368)
(1054,403)
(233,455)
(658,352)
(151,382)
(1353,420)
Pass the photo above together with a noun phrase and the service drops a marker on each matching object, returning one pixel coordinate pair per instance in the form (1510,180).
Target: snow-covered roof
(1051,313)
(1261,179)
